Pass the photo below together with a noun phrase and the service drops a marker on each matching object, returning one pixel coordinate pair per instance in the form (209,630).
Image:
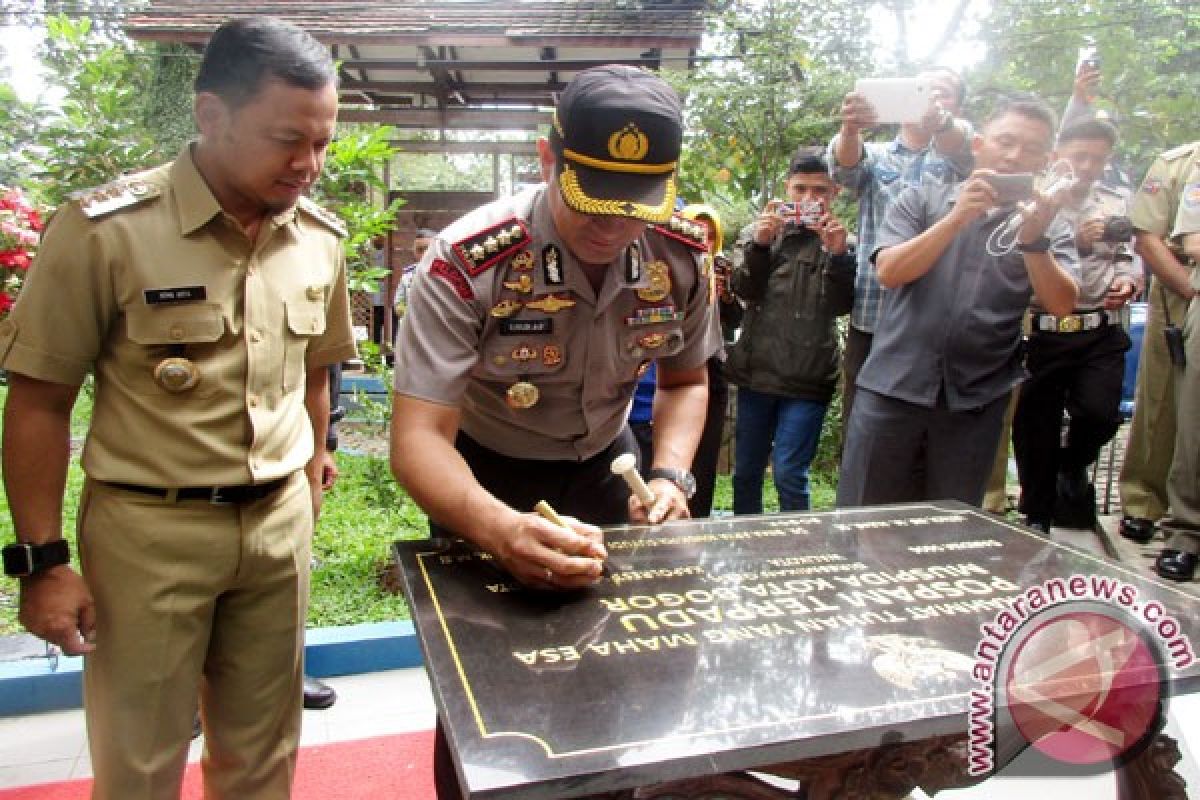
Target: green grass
(361,517)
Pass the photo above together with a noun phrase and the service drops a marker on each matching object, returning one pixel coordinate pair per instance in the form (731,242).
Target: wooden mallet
(626,466)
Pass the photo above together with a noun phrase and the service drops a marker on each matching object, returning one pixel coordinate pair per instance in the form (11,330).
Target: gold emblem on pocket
(176,374)
(522,394)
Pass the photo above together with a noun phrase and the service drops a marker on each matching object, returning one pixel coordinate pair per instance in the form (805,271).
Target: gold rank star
(478,253)
(490,244)
(504,238)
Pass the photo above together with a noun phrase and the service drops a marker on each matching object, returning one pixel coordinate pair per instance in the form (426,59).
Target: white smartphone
(895,99)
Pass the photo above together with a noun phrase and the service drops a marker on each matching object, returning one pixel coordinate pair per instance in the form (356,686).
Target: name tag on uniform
(174,294)
(519,327)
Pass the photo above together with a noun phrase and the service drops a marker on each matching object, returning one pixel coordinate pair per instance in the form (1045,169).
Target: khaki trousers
(195,602)
(1181,525)
(1152,430)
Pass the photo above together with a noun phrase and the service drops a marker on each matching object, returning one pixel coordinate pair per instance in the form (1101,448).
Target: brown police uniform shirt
(1108,260)
(499,300)
(149,268)
(1158,207)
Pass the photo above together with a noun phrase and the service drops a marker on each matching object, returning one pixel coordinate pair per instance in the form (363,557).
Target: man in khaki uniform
(1181,525)
(1152,434)
(528,321)
(206,296)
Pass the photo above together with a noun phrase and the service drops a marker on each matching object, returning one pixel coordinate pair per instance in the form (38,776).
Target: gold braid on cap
(575,197)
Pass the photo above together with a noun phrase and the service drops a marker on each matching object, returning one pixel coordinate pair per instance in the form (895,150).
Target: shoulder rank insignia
(484,248)
(682,229)
(1178,152)
(453,276)
(114,196)
(323,215)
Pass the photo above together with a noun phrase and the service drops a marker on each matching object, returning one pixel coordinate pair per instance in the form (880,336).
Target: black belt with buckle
(1075,323)
(217,495)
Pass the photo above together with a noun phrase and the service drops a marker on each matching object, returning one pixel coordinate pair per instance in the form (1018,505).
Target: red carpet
(396,767)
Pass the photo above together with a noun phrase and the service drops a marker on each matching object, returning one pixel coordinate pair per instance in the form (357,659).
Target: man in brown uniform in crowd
(1152,432)
(206,296)
(527,323)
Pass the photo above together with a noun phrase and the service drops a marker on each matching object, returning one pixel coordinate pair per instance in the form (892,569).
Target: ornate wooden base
(893,771)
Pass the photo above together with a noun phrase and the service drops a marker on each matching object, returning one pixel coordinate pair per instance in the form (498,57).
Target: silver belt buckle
(216,498)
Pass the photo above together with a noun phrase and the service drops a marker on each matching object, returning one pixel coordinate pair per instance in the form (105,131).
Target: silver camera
(806,213)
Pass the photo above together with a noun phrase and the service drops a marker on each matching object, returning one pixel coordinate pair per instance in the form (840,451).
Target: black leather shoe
(1136,529)
(1175,565)
(1042,526)
(1075,501)
(318,695)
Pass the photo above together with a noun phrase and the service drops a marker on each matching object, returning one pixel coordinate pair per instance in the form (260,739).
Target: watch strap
(680,477)
(22,559)
(1038,245)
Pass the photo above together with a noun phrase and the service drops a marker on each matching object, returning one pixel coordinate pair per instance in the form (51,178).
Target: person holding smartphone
(794,272)
(932,393)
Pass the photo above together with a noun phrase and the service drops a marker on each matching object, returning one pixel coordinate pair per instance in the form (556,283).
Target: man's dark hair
(244,53)
(1091,130)
(808,160)
(1028,106)
(960,83)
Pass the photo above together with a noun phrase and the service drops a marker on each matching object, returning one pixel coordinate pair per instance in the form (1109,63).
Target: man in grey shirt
(945,356)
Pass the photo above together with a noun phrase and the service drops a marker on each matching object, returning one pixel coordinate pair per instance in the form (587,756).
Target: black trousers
(584,489)
(1080,373)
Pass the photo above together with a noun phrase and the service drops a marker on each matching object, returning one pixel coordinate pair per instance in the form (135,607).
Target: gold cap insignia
(628,144)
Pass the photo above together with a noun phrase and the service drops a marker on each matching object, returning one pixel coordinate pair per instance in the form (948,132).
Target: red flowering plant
(20,227)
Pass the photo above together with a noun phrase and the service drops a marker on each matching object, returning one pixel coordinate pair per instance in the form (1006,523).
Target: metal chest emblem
(176,374)
(551,303)
(523,261)
(523,284)
(659,275)
(524,352)
(552,355)
(521,395)
(505,308)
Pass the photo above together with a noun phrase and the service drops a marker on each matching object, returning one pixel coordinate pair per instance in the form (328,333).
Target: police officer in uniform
(206,296)
(1181,525)
(1076,362)
(1152,432)
(527,323)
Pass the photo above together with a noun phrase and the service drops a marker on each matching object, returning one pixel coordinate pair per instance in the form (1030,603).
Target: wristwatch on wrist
(1038,245)
(23,559)
(680,477)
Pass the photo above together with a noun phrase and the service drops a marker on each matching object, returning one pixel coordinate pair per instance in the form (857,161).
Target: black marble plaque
(727,644)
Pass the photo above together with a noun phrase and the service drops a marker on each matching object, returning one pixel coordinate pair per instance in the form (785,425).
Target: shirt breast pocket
(190,332)
(305,319)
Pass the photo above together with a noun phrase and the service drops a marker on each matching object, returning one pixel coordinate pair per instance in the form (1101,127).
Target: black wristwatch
(685,480)
(1038,245)
(23,559)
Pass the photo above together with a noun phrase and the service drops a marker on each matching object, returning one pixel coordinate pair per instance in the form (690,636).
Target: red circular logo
(1084,688)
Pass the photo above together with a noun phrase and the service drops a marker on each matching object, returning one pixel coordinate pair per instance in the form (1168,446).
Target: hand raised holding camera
(975,197)
(857,113)
(768,224)
(1088,233)
(832,233)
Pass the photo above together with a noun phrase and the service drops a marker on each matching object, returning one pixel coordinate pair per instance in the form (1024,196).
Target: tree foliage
(1149,60)
(770,77)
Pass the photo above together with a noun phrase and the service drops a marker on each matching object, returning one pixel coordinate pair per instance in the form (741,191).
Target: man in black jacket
(795,275)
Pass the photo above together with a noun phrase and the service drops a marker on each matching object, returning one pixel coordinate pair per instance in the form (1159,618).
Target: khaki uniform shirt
(1159,206)
(149,268)
(499,300)
(1108,260)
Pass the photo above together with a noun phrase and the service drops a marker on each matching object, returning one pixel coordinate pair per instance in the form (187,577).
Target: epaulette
(110,197)
(1176,153)
(323,215)
(482,249)
(682,229)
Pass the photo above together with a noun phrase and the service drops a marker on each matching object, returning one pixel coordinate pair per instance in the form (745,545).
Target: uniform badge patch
(551,303)
(633,264)
(660,283)
(682,229)
(1191,195)
(552,355)
(523,284)
(523,261)
(552,265)
(505,308)
(112,197)
(482,249)
(451,275)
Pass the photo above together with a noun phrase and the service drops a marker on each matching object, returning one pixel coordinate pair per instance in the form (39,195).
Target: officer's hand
(669,503)
(974,198)
(56,605)
(857,113)
(832,234)
(1087,234)
(329,472)
(1119,293)
(768,224)
(1087,81)
(546,556)
(1044,209)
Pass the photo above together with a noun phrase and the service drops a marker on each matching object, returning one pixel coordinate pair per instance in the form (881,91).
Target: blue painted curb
(31,686)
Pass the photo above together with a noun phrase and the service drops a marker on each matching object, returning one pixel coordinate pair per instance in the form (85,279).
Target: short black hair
(243,53)
(1028,106)
(1091,129)
(960,83)
(808,160)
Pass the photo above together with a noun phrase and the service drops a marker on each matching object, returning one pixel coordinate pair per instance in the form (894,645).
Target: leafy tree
(1149,59)
(770,79)
(95,133)
(166,109)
